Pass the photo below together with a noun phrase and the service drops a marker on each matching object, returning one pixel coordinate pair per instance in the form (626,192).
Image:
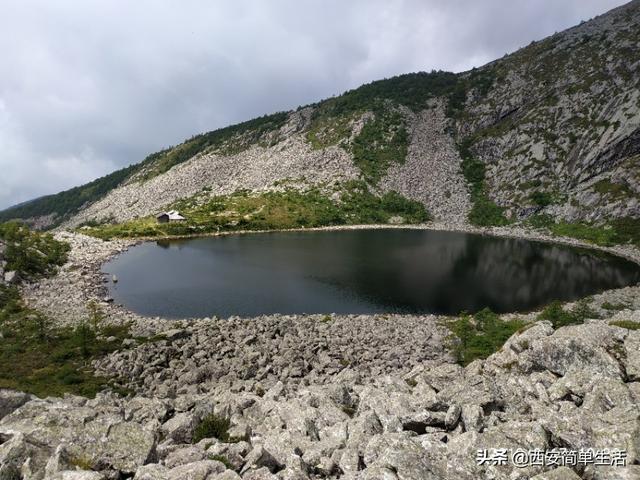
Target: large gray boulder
(13,453)
(104,440)
(180,427)
(152,472)
(10,400)
(201,470)
(400,454)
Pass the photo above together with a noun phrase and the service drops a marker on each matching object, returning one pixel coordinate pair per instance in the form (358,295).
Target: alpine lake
(364,271)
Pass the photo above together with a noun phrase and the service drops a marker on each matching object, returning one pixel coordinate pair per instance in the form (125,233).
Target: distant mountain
(552,129)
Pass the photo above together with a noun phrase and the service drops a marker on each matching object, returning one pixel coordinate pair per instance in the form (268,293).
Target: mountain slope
(551,130)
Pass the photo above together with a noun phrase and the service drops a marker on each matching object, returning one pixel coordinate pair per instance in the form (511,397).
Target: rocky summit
(542,144)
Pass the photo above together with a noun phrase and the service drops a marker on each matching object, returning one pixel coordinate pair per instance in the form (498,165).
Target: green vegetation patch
(541,198)
(616,191)
(628,324)
(381,142)
(279,210)
(31,254)
(64,204)
(484,211)
(214,426)
(412,90)
(615,232)
(35,356)
(480,335)
(559,317)
(38,358)
(614,307)
(327,131)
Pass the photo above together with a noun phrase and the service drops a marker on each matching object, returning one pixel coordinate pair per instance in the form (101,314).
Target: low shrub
(47,361)
(559,317)
(480,335)
(213,426)
(484,211)
(618,231)
(613,307)
(31,254)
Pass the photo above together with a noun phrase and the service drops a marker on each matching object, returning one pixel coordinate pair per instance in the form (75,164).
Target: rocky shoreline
(313,396)
(65,297)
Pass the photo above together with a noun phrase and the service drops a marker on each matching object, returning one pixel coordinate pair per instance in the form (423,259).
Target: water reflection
(363,271)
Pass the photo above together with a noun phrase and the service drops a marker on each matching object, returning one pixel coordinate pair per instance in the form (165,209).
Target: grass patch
(480,335)
(616,232)
(614,190)
(328,131)
(31,254)
(38,358)
(381,142)
(541,199)
(214,426)
(628,324)
(559,317)
(484,211)
(35,356)
(280,210)
(614,307)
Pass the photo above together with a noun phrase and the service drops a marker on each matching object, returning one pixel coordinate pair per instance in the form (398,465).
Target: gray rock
(378,473)
(261,457)
(105,438)
(259,474)
(201,470)
(472,417)
(152,472)
(78,475)
(180,427)
(226,475)
(182,456)
(11,277)
(10,400)
(174,334)
(561,473)
(452,416)
(13,453)
(400,453)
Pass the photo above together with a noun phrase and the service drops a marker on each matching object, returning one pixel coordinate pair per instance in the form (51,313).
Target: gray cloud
(88,87)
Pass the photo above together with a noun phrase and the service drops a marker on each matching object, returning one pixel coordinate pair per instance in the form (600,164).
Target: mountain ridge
(550,130)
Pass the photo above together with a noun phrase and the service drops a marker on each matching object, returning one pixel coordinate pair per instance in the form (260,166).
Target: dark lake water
(358,271)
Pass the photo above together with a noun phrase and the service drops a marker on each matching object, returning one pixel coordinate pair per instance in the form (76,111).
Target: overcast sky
(89,86)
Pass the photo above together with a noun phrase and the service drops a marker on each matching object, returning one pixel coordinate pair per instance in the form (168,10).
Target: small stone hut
(170,217)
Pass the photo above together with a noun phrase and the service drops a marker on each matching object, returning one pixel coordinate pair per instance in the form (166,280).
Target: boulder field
(575,387)
(313,396)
